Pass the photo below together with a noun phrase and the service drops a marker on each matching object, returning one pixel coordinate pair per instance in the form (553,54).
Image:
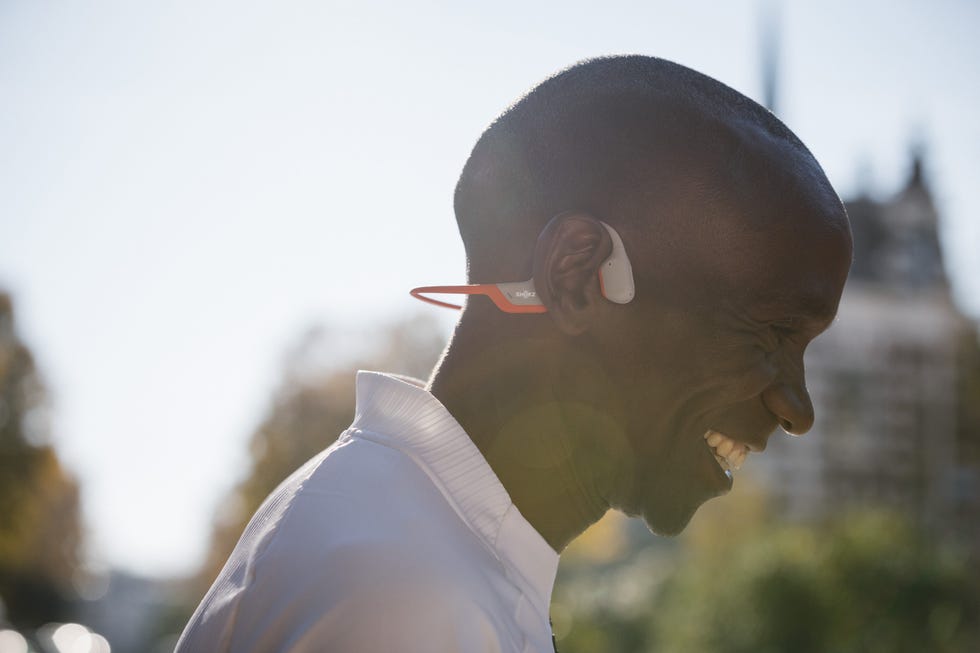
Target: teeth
(737,458)
(725,448)
(729,454)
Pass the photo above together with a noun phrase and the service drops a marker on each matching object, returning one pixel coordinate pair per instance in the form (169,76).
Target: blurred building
(890,383)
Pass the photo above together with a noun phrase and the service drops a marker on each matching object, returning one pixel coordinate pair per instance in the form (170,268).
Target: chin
(666,502)
(668,527)
(670,518)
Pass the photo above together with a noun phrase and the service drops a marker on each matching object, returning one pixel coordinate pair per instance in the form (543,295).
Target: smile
(729,453)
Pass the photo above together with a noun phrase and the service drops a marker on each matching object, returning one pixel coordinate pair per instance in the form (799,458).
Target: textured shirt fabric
(399,537)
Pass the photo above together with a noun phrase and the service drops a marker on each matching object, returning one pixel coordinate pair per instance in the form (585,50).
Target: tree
(39,504)
(865,582)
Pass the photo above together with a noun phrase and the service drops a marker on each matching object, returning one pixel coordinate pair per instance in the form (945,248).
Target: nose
(791,405)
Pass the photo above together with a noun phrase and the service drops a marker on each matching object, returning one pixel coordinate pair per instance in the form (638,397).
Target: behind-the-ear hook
(615,281)
(616,272)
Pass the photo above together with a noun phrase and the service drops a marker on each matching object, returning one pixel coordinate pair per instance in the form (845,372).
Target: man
(435,522)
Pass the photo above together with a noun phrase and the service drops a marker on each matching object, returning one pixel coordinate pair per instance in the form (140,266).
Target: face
(713,346)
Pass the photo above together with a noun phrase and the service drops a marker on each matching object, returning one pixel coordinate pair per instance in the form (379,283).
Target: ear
(567,257)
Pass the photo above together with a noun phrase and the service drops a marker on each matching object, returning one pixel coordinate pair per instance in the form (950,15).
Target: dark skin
(596,405)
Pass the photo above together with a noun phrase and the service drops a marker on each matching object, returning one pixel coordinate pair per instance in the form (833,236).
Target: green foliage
(867,583)
(39,509)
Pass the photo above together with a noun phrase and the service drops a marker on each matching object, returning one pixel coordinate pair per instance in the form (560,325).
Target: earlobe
(567,259)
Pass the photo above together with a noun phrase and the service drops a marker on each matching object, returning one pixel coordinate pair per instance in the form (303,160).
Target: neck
(507,389)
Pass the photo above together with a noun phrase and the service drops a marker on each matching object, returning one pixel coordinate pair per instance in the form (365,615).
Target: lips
(728,453)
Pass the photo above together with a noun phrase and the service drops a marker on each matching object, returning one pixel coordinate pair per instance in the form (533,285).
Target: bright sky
(186,186)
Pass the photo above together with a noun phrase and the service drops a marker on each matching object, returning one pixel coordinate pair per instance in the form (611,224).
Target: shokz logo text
(525,294)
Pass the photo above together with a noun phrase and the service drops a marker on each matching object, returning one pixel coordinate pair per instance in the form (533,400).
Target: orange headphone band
(487,289)
(615,282)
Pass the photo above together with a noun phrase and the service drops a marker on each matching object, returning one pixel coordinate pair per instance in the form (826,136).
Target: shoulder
(412,614)
(378,565)
(361,551)
(375,598)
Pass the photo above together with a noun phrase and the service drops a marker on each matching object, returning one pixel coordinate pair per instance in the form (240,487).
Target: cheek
(748,375)
(644,353)
(673,363)
(735,366)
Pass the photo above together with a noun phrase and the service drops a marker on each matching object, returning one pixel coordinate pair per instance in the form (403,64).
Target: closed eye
(796,332)
(782,330)
(785,330)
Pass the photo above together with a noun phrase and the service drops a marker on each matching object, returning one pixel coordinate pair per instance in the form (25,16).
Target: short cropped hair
(592,137)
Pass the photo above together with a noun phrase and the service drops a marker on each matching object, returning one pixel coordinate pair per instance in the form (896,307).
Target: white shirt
(398,538)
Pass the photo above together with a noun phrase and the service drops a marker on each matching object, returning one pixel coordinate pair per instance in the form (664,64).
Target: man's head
(739,247)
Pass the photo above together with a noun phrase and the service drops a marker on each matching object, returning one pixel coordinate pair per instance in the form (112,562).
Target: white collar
(401,409)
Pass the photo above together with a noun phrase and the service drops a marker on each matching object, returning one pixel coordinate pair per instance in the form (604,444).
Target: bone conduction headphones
(615,281)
